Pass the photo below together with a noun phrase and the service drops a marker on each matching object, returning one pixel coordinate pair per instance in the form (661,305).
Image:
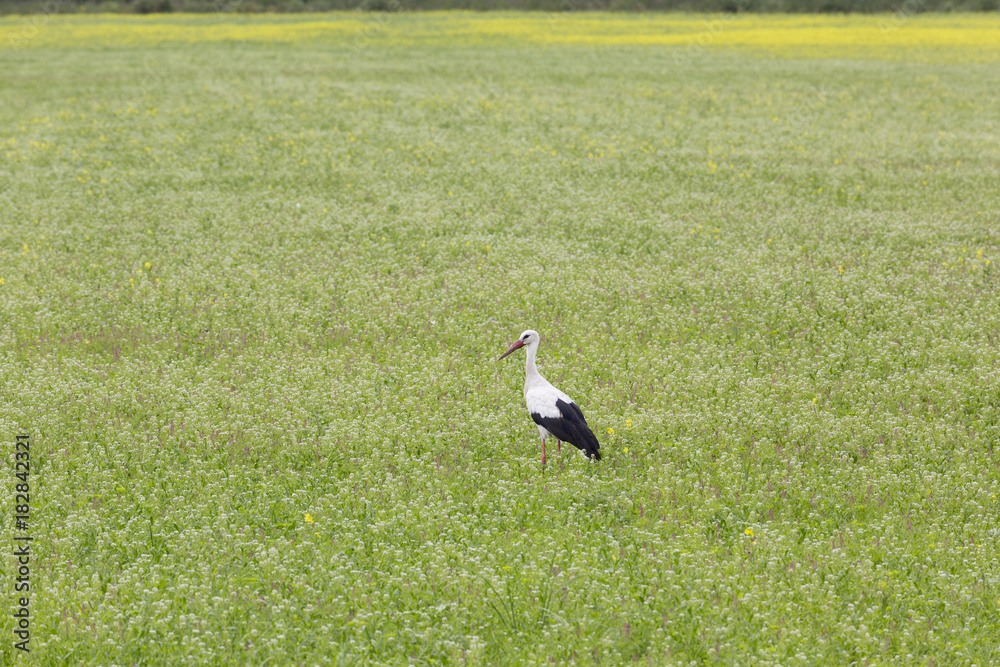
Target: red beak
(517,344)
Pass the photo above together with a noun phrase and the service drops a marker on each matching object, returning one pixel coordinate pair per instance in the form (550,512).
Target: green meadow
(252,293)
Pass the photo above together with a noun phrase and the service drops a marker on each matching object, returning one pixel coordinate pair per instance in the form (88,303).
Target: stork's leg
(559,446)
(543,451)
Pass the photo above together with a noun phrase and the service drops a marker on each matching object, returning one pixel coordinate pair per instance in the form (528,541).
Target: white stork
(555,413)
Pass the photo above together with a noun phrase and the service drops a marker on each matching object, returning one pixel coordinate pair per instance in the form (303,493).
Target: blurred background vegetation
(253,6)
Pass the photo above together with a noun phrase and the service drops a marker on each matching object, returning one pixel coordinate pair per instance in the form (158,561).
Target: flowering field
(899,36)
(255,272)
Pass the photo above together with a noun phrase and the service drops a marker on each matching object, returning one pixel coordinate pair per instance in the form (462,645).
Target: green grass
(245,283)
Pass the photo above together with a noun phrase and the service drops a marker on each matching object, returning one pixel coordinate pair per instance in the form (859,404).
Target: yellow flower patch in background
(965,37)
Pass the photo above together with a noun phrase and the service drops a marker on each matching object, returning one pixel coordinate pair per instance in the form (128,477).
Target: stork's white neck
(531,374)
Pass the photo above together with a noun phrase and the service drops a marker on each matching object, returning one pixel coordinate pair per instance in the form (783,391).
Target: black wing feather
(571,427)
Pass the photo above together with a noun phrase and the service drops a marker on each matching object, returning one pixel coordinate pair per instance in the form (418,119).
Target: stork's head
(529,337)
